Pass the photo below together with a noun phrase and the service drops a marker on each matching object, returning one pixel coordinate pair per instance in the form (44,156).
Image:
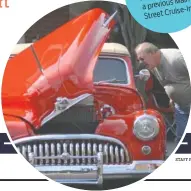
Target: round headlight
(146,127)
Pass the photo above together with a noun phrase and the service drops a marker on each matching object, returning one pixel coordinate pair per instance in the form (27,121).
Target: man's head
(148,54)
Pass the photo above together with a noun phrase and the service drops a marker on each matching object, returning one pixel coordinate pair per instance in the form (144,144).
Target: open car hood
(59,65)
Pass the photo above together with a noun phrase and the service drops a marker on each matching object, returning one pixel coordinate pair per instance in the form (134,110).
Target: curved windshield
(110,70)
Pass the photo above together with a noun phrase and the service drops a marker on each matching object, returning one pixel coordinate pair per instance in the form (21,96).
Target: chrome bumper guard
(92,174)
(95,175)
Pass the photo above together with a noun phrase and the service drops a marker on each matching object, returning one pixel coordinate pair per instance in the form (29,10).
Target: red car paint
(62,64)
(32,93)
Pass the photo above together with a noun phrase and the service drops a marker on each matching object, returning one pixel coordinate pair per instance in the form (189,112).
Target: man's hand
(171,104)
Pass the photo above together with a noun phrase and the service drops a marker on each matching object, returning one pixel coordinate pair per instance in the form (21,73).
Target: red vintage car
(71,105)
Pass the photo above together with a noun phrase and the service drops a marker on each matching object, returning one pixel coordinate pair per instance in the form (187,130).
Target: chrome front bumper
(93,174)
(82,158)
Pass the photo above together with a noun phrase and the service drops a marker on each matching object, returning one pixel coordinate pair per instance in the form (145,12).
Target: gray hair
(148,47)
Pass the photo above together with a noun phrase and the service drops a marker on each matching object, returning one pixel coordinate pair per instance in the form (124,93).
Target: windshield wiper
(114,80)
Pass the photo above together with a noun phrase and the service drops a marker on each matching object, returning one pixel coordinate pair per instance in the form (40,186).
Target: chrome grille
(45,150)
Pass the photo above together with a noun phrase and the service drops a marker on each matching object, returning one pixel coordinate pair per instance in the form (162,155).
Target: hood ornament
(61,103)
(109,19)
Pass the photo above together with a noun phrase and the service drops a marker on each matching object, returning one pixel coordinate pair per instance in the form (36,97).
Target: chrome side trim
(56,111)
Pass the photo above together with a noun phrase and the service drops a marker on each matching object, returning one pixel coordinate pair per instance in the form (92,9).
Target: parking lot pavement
(171,145)
(108,185)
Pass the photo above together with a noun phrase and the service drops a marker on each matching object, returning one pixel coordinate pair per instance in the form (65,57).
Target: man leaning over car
(170,69)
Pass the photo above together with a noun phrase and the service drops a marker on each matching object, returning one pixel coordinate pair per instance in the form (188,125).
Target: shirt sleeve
(180,65)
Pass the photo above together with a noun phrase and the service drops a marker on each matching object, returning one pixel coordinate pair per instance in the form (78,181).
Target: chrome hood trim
(58,110)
